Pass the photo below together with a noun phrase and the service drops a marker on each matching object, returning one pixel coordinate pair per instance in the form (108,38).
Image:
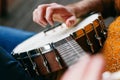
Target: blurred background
(18,13)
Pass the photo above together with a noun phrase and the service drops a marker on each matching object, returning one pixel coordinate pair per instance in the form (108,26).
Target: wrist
(78,9)
(85,6)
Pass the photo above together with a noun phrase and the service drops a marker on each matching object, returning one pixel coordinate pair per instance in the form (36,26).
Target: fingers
(95,69)
(89,68)
(76,71)
(39,13)
(49,15)
(43,15)
(71,21)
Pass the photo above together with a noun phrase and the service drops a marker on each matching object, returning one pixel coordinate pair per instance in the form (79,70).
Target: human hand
(88,68)
(48,13)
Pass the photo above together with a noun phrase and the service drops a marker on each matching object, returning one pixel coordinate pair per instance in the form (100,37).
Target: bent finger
(71,21)
(41,14)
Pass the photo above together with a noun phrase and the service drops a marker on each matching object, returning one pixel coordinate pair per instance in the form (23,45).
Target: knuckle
(34,12)
(42,6)
(50,11)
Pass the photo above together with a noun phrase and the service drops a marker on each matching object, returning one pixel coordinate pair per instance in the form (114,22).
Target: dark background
(19,13)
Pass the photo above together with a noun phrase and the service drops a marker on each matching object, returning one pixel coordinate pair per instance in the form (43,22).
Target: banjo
(60,47)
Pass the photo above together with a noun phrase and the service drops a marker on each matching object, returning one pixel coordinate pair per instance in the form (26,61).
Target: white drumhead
(53,35)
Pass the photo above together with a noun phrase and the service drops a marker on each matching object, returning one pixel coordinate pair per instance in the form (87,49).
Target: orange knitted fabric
(111,48)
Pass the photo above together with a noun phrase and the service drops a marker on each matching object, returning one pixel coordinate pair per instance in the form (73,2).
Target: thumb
(71,21)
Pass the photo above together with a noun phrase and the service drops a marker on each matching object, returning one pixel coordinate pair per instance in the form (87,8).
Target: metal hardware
(45,61)
(57,57)
(33,63)
(97,36)
(89,42)
(46,48)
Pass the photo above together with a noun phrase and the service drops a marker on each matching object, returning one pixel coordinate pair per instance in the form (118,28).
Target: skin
(48,13)
(87,68)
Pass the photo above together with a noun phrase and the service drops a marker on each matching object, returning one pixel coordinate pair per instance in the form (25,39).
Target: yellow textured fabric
(111,48)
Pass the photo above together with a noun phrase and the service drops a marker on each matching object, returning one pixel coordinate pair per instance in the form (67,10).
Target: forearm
(106,7)
(85,6)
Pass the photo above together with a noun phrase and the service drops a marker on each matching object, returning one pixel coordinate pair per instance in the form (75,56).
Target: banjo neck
(69,50)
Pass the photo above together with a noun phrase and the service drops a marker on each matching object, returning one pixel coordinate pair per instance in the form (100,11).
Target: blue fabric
(10,37)
(10,69)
